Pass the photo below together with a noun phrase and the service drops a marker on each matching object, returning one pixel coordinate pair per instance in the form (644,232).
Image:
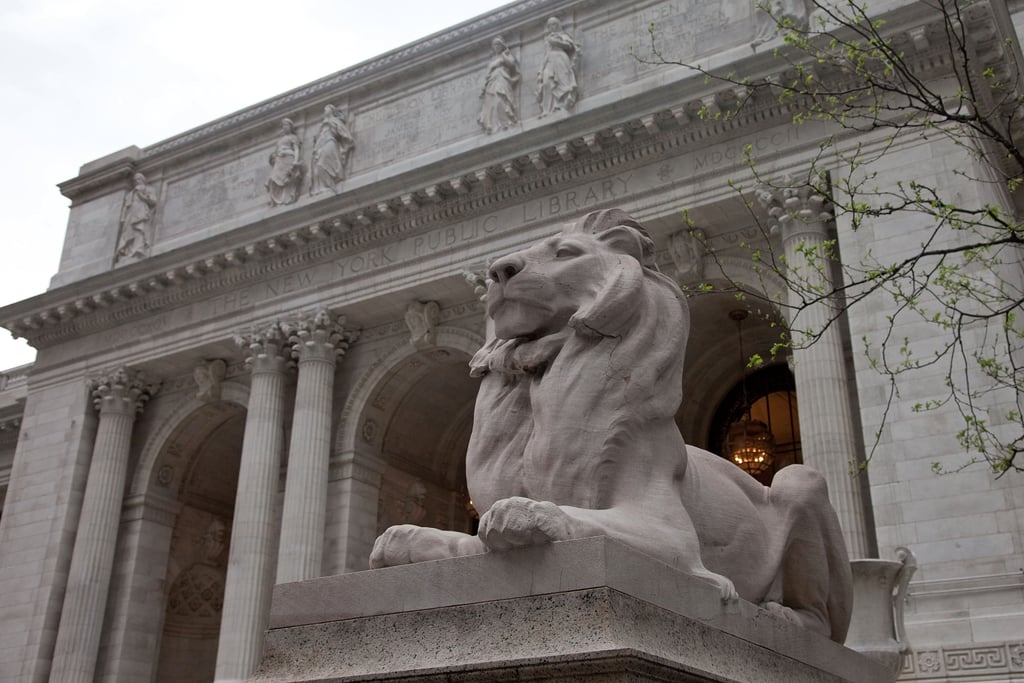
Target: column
(251,560)
(316,343)
(119,397)
(822,386)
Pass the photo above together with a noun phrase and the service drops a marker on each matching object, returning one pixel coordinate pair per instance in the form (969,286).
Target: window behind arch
(772,395)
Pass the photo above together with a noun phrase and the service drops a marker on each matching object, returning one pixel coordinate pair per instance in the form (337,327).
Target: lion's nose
(505,268)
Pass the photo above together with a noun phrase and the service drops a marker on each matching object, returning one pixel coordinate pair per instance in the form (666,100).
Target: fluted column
(119,397)
(317,342)
(822,386)
(253,554)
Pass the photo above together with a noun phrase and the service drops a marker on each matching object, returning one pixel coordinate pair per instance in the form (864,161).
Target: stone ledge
(552,612)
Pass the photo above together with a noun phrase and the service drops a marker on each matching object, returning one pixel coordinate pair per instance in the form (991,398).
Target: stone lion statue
(574,436)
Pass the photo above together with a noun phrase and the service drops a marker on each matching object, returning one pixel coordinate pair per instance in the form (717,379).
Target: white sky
(80,79)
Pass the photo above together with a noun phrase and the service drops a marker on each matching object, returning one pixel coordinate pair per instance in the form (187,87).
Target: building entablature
(625,126)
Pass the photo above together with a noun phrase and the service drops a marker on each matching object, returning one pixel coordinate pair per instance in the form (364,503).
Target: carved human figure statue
(331,147)
(285,166)
(773,16)
(556,80)
(574,435)
(136,221)
(498,106)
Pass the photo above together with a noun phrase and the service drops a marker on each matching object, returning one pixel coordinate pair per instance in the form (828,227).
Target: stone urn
(879,594)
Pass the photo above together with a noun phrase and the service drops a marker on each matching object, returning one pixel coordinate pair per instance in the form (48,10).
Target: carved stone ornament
(285,167)
(198,591)
(136,221)
(265,350)
(421,318)
(319,335)
(574,436)
(771,15)
(791,203)
(687,249)
(331,148)
(208,376)
(500,92)
(556,80)
(122,390)
(477,279)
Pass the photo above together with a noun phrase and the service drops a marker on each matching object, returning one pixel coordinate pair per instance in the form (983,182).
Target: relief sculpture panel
(683,30)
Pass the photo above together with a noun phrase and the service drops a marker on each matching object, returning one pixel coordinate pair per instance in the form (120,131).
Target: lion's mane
(583,417)
(551,400)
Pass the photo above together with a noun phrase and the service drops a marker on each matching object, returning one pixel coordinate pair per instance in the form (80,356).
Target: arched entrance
(769,397)
(424,443)
(197,557)
(168,586)
(401,445)
(713,379)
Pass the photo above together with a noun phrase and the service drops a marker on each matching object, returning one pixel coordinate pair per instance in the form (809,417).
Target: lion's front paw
(517,522)
(408,543)
(392,548)
(726,589)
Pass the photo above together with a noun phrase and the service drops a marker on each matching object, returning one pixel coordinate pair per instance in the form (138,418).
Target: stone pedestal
(591,609)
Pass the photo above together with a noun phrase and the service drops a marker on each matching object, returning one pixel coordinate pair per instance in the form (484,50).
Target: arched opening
(771,395)
(425,441)
(209,447)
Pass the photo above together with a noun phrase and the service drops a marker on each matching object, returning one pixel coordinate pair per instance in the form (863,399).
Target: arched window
(772,395)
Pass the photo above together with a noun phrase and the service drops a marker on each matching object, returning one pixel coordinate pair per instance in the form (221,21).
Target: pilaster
(131,634)
(354,486)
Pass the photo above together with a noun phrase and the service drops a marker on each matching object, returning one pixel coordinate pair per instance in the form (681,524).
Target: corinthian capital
(793,207)
(265,350)
(122,391)
(319,336)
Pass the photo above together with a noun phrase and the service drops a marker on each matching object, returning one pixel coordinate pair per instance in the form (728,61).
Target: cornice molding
(110,299)
(57,314)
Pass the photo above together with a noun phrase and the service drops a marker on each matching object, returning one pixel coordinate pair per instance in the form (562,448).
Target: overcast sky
(81,79)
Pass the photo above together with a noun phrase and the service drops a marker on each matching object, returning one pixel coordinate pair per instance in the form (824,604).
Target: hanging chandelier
(748,443)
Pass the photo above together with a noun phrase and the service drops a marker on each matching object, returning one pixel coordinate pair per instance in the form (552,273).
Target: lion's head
(597,335)
(584,277)
(596,279)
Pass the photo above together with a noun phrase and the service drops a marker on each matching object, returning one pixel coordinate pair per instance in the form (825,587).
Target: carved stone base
(590,610)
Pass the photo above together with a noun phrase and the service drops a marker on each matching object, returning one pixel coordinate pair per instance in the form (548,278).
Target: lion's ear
(628,241)
(616,303)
